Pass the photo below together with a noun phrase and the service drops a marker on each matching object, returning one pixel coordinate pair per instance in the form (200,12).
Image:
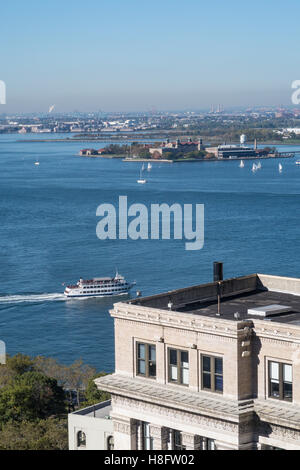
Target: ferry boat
(99,287)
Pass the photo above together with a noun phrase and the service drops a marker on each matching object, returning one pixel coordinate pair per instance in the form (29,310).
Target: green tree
(50,434)
(31,396)
(92,394)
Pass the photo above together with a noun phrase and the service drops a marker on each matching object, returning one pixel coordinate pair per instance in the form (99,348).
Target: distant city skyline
(132,56)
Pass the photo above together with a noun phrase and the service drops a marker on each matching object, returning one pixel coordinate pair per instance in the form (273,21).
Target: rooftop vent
(269,310)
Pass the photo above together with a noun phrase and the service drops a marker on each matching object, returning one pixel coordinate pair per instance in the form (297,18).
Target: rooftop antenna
(219,298)
(218,277)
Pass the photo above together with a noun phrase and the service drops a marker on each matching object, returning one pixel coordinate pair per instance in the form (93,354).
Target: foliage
(92,394)
(31,396)
(50,434)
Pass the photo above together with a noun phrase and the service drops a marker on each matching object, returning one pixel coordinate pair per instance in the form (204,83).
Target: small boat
(280,168)
(242,164)
(297,162)
(254,168)
(258,166)
(149,167)
(99,287)
(142,180)
(37,162)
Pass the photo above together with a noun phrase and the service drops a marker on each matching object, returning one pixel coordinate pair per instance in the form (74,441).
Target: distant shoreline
(108,138)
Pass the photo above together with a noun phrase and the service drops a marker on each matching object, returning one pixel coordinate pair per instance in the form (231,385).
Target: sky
(136,55)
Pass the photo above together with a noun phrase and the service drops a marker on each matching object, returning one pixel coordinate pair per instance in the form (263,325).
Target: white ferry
(99,287)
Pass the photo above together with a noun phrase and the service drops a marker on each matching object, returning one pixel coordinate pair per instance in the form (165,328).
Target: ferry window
(81,439)
(178,366)
(280,381)
(212,373)
(146,360)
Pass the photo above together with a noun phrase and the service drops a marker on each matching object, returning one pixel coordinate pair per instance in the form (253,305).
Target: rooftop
(101,410)
(273,298)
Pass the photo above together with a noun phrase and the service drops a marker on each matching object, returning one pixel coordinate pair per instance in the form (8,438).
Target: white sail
(280,168)
(149,166)
(242,164)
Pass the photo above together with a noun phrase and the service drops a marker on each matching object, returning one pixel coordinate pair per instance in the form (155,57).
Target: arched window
(81,439)
(110,443)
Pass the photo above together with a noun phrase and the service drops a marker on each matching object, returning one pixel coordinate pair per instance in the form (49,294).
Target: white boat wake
(18,299)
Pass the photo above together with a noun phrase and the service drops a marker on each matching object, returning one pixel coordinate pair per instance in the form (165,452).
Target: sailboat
(258,166)
(142,180)
(280,168)
(254,168)
(242,164)
(149,167)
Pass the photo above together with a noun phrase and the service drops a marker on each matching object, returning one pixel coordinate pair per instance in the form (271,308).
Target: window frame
(281,380)
(180,368)
(212,373)
(81,438)
(146,360)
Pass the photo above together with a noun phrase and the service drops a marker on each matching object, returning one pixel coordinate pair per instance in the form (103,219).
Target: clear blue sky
(135,54)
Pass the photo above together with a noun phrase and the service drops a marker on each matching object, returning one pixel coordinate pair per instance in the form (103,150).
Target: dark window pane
(274,392)
(184,357)
(219,383)
(206,363)
(218,365)
(152,369)
(173,357)
(206,381)
(287,390)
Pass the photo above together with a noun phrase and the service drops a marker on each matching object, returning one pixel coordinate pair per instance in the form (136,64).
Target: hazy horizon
(128,56)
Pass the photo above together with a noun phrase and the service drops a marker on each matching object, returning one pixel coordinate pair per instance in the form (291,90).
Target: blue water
(48,237)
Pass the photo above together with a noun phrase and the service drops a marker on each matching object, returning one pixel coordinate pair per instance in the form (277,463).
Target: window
(81,439)
(146,360)
(176,440)
(280,381)
(207,444)
(147,440)
(212,373)
(178,366)
(110,443)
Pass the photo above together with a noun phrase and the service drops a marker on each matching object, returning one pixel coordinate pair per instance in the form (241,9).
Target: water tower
(242,139)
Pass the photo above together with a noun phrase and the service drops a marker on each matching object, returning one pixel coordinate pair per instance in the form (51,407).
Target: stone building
(214,366)
(91,428)
(175,147)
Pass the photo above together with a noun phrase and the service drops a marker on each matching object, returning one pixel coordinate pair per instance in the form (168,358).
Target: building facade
(91,428)
(214,366)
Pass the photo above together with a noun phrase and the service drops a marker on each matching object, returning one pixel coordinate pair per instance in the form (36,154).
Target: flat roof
(250,300)
(237,295)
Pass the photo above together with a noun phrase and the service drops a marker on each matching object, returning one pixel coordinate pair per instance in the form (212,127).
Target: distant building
(235,151)
(88,152)
(176,146)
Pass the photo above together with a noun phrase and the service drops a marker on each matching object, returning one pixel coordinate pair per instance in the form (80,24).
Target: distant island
(183,151)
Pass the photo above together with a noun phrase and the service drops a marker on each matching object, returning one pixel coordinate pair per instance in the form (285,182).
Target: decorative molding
(174,414)
(281,432)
